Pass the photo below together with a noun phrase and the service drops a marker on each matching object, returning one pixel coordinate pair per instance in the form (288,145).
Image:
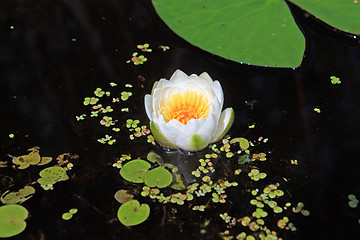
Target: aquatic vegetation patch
(12,220)
(68,215)
(335,80)
(353,201)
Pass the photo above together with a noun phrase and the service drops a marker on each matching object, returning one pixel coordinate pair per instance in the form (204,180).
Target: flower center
(184,107)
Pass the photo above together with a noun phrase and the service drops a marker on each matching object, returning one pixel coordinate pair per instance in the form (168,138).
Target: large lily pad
(12,220)
(341,14)
(134,171)
(258,32)
(132,213)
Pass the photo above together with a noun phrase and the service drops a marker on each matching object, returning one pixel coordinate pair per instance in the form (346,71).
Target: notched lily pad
(132,213)
(158,177)
(12,220)
(17,197)
(135,170)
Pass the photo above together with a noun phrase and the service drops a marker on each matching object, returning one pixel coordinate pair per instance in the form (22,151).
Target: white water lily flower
(185,111)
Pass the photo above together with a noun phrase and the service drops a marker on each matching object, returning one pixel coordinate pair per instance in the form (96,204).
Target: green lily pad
(258,32)
(344,15)
(51,175)
(158,177)
(132,213)
(25,161)
(17,197)
(243,143)
(135,170)
(12,220)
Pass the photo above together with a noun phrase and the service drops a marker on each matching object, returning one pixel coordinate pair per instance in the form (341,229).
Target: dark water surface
(55,53)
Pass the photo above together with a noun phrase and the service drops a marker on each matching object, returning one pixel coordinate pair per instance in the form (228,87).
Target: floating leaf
(12,220)
(51,175)
(17,197)
(25,161)
(45,160)
(3,163)
(158,177)
(335,80)
(122,196)
(252,31)
(243,143)
(154,157)
(132,213)
(135,170)
(340,14)
(67,216)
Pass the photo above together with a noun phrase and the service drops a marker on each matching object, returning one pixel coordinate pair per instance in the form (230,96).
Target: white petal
(216,86)
(148,106)
(207,77)
(209,126)
(224,124)
(193,125)
(162,82)
(168,130)
(178,74)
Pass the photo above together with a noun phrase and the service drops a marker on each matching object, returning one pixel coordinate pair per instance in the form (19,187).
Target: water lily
(185,111)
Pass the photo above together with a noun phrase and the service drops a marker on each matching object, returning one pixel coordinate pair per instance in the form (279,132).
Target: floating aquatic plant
(51,175)
(12,220)
(179,109)
(132,213)
(256,175)
(134,170)
(17,197)
(158,177)
(68,215)
(254,32)
(123,196)
(335,80)
(353,201)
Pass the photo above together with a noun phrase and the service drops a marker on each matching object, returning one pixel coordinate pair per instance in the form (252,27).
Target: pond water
(56,53)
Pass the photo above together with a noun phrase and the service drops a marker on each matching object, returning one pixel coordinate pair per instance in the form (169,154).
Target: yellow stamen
(184,107)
